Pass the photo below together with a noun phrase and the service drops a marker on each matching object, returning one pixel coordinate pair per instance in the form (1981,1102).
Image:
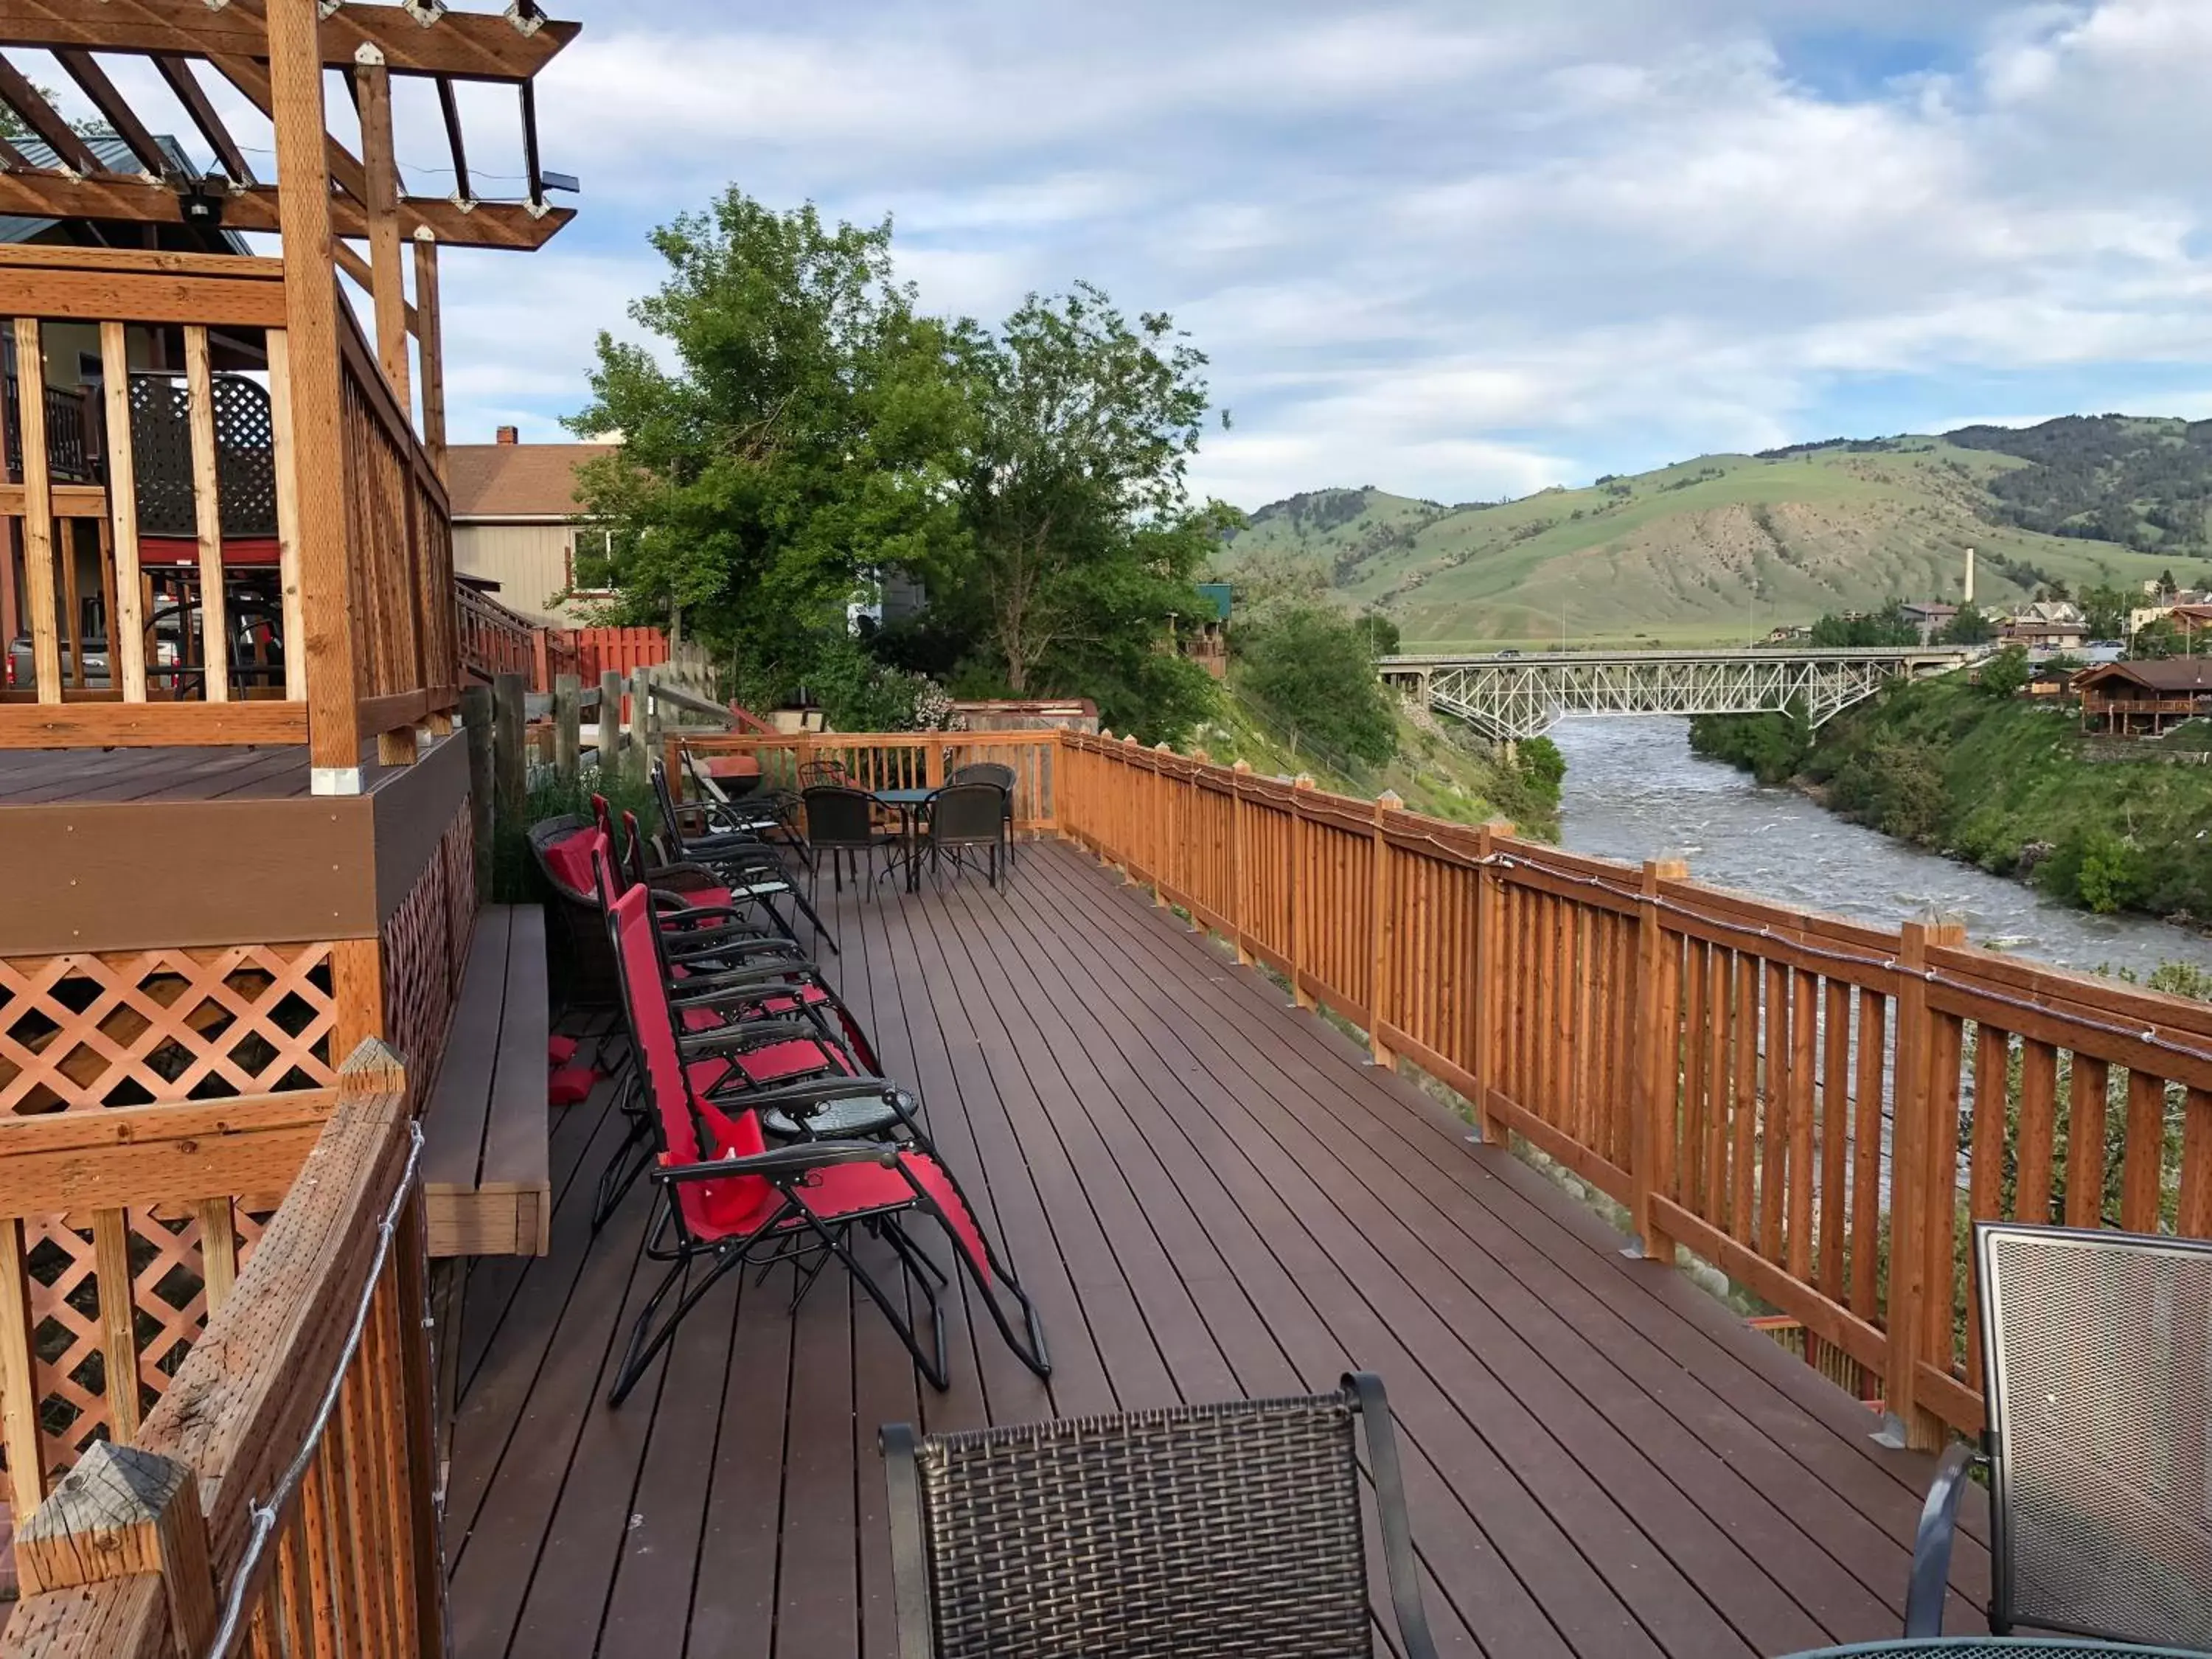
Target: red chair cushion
(570,1084)
(560,1050)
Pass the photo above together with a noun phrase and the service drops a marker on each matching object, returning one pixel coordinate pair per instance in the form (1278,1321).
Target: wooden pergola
(277,56)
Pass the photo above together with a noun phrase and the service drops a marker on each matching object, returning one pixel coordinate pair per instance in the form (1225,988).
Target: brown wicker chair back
(1160,1535)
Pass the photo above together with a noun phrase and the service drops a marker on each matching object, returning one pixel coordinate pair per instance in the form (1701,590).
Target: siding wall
(530,563)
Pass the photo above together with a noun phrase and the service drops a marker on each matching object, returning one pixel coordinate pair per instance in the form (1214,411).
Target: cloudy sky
(1456,251)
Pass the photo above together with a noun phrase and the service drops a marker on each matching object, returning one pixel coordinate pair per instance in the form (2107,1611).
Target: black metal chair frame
(1956,1468)
(1188,1472)
(795,1224)
(815,797)
(751,867)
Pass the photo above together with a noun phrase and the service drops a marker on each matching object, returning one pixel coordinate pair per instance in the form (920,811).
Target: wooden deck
(32,777)
(1209,1195)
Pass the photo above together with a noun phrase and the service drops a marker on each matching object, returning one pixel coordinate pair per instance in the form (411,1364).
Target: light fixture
(199,201)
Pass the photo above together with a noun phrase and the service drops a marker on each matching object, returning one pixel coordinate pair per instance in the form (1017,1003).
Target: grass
(1672,555)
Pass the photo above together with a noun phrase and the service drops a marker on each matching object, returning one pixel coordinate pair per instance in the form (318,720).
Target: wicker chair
(2095,1362)
(1158,1534)
(841,823)
(962,818)
(992,772)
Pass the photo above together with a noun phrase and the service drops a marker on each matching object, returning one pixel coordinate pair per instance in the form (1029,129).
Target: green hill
(1672,557)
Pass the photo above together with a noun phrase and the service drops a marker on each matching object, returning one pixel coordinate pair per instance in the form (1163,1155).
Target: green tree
(2155,639)
(2006,674)
(1885,627)
(1969,627)
(799,429)
(2106,608)
(1086,541)
(1310,663)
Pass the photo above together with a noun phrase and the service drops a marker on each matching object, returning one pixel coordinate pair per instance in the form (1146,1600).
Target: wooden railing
(283,1481)
(188,625)
(906,760)
(1819,1109)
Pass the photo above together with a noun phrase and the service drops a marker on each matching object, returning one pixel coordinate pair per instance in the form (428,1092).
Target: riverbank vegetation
(1973,771)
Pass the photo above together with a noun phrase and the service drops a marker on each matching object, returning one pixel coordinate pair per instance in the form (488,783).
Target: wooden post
(1652,1105)
(1490,971)
(311,301)
(387,285)
(541,659)
(510,765)
(637,754)
(207,514)
(118,1318)
(1296,887)
(1239,860)
(430,347)
(19,1373)
(38,511)
(119,1513)
(127,627)
(1166,872)
(567,723)
(611,713)
(1380,1007)
(475,727)
(1910,1424)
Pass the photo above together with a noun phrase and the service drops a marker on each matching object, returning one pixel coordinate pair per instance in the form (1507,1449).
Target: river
(1635,791)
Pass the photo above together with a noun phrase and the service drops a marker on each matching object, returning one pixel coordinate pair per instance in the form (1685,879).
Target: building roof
(492,482)
(2172,674)
(1934,610)
(113,152)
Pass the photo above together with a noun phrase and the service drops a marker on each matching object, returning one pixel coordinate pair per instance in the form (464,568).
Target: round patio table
(907,803)
(1995,1647)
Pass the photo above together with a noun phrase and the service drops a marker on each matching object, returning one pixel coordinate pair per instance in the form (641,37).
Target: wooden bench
(487,1169)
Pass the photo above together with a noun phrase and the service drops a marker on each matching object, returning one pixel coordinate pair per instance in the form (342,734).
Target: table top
(903,796)
(1989,1647)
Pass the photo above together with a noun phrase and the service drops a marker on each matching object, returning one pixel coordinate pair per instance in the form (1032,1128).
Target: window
(587,545)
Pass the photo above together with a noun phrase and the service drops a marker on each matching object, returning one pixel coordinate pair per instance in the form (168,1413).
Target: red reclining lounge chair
(729,1199)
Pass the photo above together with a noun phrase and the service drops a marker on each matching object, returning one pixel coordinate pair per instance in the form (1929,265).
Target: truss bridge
(1511,696)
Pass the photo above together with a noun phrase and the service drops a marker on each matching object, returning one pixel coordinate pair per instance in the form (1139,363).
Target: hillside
(1672,556)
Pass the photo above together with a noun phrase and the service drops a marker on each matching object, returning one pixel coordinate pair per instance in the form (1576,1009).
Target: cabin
(313,1286)
(2137,699)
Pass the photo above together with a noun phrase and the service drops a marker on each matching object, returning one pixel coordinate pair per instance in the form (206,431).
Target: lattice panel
(423,945)
(80,1032)
(169,1293)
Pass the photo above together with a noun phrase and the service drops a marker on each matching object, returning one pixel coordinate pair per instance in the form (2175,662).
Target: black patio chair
(992,772)
(824,774)
(960,819)
(728,1200)
(2097,1370)
(1158,1534)
(760,810)
(841,823)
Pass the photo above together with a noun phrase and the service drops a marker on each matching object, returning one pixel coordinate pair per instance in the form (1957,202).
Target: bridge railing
(1818,1108)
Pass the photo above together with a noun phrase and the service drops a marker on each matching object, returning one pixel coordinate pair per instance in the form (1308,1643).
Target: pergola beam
(45,194)
(114,109)
(20,95)
(466,46)
(185,86)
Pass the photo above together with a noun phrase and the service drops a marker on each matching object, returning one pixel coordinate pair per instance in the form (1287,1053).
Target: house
(2138,699)
(2191,621)
(2047,625)
(515,523)
(1204,638)
(1931,618)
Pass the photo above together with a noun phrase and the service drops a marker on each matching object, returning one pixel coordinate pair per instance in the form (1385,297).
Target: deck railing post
(1653,1104)
(637,753)
(1910,1200)
(1384,929)
(610,714)
(1301,787)
(1239,861)
(567,727)
(1169,878)
(1490,973)
(510,765)
(122,1513)
(476,725)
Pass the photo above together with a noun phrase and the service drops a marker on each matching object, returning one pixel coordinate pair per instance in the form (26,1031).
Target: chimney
(509,434)
(1970,576)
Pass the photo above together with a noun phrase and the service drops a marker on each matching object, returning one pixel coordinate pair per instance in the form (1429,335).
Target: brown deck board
(1209,1195)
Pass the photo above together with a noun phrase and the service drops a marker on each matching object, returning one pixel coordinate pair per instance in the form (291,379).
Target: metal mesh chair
(841,823)
(1001,776)
(2097,1372)
(1160,1535)
(1995,1647)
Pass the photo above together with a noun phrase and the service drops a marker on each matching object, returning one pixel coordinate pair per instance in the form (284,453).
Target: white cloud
(1451,249)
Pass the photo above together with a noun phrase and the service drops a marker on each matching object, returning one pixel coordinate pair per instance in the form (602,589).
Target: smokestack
(1970,576)
(509,434)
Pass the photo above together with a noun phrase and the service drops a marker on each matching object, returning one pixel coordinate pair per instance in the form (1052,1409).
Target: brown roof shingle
(516,481)
(2183,674)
